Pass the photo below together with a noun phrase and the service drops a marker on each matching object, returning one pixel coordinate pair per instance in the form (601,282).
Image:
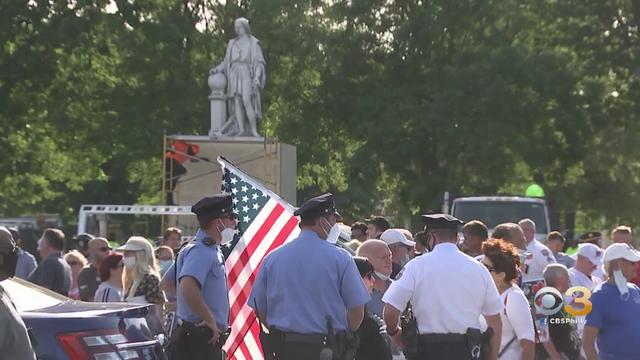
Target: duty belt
(313,339)
(443,338)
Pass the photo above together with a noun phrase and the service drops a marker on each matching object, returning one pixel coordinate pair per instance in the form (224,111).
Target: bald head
(378,253)
(512,233)
(529,229)
(98,249)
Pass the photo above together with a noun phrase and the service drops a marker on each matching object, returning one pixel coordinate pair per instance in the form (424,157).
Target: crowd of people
(475,293)
(93,271)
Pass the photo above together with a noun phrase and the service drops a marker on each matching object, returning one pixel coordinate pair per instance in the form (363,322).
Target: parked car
(62,328)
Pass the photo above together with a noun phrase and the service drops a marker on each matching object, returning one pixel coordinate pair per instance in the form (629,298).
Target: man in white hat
(615,315)
(588,259)
(401,248)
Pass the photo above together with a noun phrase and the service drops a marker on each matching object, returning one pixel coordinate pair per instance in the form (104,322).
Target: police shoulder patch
(545,252)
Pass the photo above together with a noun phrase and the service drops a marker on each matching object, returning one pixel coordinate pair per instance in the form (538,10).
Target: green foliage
(390,103)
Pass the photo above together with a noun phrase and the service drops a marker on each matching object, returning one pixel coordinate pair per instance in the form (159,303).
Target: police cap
(213,207)
(316,207)
(441,222)
(82,241)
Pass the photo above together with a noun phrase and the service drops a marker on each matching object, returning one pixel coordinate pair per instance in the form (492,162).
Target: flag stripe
(259,248)
(241,299)
(243,259)
(250,233)
(265,223)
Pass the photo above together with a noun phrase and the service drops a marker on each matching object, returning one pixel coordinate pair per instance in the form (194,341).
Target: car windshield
(28,297)
(493,213)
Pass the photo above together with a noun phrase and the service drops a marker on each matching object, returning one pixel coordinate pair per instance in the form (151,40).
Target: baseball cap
(621,251)
(591,252)
(135,243)
(395,236)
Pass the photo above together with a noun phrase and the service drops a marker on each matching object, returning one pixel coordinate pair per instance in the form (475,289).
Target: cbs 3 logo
(549,301)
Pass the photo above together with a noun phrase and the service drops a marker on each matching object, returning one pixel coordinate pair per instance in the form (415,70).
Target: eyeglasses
(489,267)
(74,263)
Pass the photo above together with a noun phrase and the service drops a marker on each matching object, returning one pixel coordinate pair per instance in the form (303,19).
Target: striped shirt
(108,293)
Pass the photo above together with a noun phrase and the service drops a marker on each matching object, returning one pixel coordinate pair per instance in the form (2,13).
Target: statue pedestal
(270,162)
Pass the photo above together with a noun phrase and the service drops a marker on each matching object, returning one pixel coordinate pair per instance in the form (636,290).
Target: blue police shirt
(205,264)
(25,265)
(303,282)
(618,321)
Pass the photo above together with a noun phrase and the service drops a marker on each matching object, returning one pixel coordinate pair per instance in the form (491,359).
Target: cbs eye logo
(549,301)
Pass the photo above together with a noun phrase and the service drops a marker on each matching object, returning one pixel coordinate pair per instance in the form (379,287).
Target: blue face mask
(164,265)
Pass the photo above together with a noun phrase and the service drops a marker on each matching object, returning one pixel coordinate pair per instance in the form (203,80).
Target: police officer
(202,293)
(448,291)
(308,287)
(540,253)
(14,340)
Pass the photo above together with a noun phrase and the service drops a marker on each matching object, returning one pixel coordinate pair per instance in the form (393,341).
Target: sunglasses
(104,249)
(120,265)
(489,267)
(74,263)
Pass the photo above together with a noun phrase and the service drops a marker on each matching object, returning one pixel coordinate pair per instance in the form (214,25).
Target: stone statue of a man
(244,67)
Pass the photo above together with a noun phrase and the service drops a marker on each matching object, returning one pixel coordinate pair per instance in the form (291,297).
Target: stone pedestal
(270,162)
(217,102)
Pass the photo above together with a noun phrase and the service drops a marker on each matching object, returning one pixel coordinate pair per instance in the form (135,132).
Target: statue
(244,67)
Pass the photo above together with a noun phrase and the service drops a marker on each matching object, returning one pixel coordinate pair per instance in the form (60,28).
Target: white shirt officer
(448,290)
(541,256)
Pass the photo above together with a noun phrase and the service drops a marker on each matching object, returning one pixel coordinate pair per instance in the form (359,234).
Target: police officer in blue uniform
(309,292)
(202,292)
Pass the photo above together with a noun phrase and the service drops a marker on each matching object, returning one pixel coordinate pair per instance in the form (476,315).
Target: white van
(495,210)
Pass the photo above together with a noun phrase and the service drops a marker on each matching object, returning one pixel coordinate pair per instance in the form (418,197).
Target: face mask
(129,262)
(334,233)
(227,235)
(382,276)
(405,259)
(621,284)
(164,265)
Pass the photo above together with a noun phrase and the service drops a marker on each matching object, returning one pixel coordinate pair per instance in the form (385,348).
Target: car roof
(500,198)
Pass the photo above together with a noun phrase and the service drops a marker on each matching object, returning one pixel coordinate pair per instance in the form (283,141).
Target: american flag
(265,223)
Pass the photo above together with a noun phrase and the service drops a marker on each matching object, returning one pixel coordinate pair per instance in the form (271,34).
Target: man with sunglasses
(89,279)
(448,292)
(202,291)
(306,282)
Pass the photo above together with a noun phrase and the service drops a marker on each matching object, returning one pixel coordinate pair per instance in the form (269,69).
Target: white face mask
(382,276)
(164,265)
(227,235)
(621,284)
(129,262)
(334,233)
(405,260)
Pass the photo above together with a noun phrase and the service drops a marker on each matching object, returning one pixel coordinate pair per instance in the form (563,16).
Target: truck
(494,210)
